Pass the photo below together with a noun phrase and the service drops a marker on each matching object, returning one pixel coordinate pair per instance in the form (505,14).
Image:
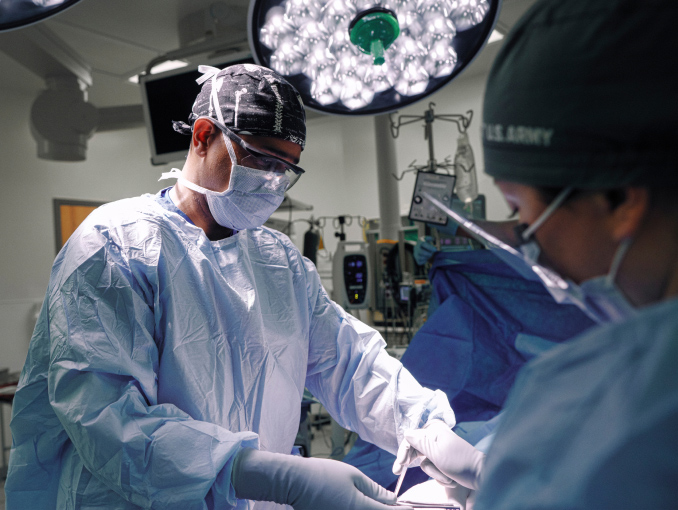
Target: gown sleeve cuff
(440,410)
(222,492)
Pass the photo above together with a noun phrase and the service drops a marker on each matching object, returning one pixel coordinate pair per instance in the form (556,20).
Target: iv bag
(465,170)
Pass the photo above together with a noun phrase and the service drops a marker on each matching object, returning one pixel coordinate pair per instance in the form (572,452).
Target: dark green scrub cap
(584,93)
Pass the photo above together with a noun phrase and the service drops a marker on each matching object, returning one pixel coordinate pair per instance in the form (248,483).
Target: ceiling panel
(148,23)
(108,54)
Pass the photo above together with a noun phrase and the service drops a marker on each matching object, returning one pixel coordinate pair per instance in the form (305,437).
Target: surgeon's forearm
(363,388)
(159,447)
(413,404)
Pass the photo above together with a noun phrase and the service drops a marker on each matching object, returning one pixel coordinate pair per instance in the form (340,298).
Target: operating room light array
(312,37)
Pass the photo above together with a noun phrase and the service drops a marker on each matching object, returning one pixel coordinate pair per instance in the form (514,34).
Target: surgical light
(19,13)
(360,57)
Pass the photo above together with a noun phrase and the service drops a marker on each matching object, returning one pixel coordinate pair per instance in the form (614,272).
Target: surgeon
(580,131)
(177,335)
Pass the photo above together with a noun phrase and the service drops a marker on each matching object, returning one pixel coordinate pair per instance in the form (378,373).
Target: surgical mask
(604,296)
(598,297)
(252,195)
(528,244)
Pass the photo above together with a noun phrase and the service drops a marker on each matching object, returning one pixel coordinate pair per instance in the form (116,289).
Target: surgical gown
(593,424)
(158,354)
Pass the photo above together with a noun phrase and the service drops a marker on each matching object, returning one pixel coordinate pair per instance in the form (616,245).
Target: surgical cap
(585,93)
(253,100)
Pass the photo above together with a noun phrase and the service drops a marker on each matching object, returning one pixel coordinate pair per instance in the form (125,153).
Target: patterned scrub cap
(249,99)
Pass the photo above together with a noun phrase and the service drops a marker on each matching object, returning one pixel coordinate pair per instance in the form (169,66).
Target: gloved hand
(464,497)
(471,500)
(306,484)
(448,458)
(424,250)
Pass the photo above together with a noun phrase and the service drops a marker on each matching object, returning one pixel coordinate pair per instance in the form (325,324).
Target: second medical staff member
(581,135)
(170,358)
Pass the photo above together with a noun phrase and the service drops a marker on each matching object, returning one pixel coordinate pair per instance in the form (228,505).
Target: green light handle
(377,51)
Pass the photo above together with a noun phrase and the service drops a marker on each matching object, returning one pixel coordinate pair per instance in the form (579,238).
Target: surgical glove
(305,483)
(424,250)
(471,500)
(405,457)
(447,456)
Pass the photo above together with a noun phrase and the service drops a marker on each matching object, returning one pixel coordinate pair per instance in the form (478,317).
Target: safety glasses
(260,160)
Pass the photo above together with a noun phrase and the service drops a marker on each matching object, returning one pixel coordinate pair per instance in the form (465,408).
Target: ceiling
(118,38)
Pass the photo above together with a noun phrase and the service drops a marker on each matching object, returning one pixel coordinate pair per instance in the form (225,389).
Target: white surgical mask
(598,297)
(604,297)
(252,195)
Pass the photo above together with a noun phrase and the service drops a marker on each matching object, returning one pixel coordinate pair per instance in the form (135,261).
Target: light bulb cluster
(312,37)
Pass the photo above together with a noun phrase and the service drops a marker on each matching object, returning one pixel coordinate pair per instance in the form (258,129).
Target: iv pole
(462,122)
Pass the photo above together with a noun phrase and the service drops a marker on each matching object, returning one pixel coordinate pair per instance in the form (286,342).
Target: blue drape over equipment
(488,323)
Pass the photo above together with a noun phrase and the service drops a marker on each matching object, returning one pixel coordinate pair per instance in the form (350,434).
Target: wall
(117,166)
(340,160)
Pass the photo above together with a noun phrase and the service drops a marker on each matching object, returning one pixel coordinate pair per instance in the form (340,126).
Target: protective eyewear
(260,160)
(528,244)
(598,302)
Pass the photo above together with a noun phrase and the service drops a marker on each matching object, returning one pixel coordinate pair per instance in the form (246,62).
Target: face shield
(524,261)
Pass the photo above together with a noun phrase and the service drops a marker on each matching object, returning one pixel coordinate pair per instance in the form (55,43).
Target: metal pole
(389,199)
(428,134)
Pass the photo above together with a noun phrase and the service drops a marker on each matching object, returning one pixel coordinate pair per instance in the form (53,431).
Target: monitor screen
(169,96)
(440,186)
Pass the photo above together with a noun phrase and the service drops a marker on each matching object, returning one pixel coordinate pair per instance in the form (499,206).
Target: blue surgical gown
(158,354)
(593,423)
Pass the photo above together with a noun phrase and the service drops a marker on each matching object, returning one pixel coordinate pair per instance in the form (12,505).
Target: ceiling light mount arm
(45,54)
(462,122)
